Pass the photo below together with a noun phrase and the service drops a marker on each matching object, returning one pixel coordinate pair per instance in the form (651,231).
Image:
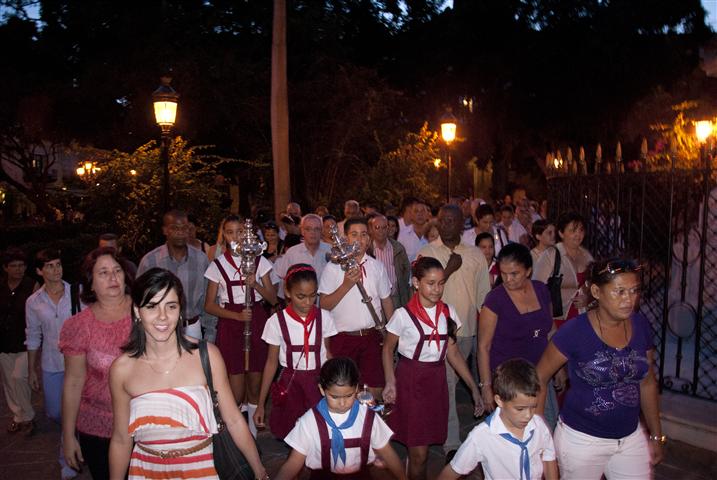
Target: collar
(497,426)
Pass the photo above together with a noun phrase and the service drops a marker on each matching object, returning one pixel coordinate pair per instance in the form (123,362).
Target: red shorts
(365,351)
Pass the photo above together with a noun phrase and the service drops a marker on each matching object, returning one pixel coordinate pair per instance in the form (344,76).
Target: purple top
(604,395)
(519,335)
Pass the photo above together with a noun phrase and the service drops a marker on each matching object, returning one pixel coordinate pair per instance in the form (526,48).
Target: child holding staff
(424,331)
(298,340)
(339,437)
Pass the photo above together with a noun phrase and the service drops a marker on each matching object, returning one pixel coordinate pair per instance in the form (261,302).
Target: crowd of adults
(498,260)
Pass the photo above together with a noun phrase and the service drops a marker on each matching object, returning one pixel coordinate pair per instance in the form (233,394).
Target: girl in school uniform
(298,340)
(339,437)
(424,331)
(225,299)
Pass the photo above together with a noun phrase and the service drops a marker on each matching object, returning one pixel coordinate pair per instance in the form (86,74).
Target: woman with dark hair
(161,402)
(90,341)
(574,261)
(610,356)
(274,244)
(515,319)
(542,237)
(393,227)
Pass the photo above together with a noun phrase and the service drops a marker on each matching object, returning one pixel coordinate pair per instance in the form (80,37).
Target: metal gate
(660,219)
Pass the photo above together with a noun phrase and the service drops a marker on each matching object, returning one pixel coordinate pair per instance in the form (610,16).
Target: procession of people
(340,338)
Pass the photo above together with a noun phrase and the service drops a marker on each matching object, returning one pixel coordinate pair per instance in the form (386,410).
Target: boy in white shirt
(512,442)
(358,338)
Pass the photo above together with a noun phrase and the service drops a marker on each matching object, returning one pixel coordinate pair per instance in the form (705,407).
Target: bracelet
(661,439)
(484,384)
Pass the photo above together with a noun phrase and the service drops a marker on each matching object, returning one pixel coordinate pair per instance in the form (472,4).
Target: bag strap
(75,298)
(207,367)
(556,265)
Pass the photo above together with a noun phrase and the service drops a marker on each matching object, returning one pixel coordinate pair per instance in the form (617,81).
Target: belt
(177,452)
(192,321)
(360,333)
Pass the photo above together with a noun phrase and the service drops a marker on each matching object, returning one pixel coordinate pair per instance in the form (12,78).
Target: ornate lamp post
(165,100)
(448,133)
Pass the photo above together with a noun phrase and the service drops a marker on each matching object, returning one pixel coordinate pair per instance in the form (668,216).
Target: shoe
(28,428)
(450,455)
(14,427)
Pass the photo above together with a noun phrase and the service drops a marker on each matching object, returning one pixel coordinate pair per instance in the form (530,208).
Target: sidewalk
(35,458)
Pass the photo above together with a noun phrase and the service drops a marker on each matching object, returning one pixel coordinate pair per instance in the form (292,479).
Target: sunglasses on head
(614,267)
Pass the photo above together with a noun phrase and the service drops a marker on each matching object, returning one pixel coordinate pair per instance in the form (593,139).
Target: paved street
(35,458)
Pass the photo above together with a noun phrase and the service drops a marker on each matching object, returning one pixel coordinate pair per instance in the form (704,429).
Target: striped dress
(167,420)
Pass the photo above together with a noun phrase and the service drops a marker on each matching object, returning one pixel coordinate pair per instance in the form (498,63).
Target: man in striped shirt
(393,256)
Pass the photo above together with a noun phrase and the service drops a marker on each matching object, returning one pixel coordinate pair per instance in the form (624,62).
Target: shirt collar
(497,426)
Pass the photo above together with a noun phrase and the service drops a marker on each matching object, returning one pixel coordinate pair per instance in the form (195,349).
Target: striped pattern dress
(172,419)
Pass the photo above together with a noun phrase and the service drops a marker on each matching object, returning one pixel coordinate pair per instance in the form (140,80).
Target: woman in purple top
(610,358)
(515,319)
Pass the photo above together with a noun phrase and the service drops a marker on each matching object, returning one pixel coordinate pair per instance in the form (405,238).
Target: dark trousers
(96,452)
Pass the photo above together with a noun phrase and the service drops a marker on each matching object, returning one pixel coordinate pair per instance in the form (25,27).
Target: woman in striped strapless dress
(163,414)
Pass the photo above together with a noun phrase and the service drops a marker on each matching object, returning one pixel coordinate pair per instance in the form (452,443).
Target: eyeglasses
(614,267)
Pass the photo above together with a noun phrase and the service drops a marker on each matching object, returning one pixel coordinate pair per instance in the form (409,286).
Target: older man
(352,209)
(467,284)
(311,251)
(189,265)
(393,256)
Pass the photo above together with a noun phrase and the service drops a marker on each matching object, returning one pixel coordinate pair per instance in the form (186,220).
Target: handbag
(228,459)
(555,282)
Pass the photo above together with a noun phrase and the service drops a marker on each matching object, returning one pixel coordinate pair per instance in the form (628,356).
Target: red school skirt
(421,393)
(302,394)
(230,340)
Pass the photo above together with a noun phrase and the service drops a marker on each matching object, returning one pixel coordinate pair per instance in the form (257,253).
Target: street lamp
(87,169)
(448,133)
(165,100)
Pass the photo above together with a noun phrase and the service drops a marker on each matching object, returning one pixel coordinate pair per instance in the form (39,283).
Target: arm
(650,406)
(387,306)
(327,344)
(75,374)
(448,473)
(233,419)
(33,335)
(292,467)
(32,370)
(389,345)
(329,301)
(120,443)
(551,361)
(550,470)
(390,458)
(454,263)
(212,308)
(486,331)
(265,289)
(461,367)
(270,367)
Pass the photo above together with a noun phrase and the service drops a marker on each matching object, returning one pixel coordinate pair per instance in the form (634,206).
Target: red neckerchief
(414,306)
(363,270)
(308,324)
(228,257)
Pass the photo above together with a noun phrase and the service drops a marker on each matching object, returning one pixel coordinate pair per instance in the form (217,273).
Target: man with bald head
(311,251)
(352,209)
(467,284)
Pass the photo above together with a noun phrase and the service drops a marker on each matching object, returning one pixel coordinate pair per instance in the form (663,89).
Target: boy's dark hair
(147,285)
(300,272)
(341,371)
(567,218)
(515,376)
(483,236)
(46,255)
(108,237)
(483,210)
(507,208)
(354,221)
(13,254)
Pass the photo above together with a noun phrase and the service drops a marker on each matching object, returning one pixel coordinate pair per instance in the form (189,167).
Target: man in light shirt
(413,237)
(352,209)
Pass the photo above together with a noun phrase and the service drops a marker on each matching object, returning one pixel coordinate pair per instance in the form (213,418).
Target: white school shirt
(213,274)
(350,313)
(402,326)
(272,335)
(499,457)
(304,438)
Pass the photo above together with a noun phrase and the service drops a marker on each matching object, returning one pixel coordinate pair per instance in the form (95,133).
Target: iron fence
(660,218)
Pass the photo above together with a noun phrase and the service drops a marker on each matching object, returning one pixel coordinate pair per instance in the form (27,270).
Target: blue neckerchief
(337,440)
(524,464)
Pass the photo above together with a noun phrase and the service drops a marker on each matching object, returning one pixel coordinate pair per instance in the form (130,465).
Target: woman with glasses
(610,357)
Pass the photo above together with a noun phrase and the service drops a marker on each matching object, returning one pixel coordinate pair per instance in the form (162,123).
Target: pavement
(35,457)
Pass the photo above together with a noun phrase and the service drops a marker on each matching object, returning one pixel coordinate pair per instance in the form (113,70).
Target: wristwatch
(661,439)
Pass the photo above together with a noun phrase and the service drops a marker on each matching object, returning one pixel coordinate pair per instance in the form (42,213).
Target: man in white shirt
(413,237)
(516,232)
(352,209)
(406,218)
(311,251)
(358,337)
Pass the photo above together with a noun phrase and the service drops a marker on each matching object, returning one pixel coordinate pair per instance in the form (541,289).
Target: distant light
(80,171)
(703,130)
(64,188)
(448,127)
(437,163)
(133,172)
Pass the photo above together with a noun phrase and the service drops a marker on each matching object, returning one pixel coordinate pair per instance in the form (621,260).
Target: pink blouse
(100,342)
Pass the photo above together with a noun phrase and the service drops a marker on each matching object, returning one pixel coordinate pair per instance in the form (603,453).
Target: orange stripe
(151,419)
(151,474)
(172,461)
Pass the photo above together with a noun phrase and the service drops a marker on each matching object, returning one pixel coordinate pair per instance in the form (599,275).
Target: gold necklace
(602,335)
(163,372)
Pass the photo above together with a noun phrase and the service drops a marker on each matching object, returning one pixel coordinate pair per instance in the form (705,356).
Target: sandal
(14,427)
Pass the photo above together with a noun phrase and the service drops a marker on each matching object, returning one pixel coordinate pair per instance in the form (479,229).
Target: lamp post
(448,133)
(165,100)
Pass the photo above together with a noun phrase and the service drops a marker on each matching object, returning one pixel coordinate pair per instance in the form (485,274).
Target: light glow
(703,130)
(448,132)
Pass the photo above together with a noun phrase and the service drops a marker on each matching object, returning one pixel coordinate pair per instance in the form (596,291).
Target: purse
(280,393)
(228,459)
(555,281)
